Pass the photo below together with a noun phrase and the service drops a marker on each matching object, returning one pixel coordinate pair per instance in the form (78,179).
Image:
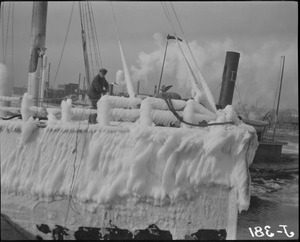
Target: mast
(37,47)
(279,93)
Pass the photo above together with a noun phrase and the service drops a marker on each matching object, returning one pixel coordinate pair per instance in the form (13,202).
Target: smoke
(209,59)
(258,71)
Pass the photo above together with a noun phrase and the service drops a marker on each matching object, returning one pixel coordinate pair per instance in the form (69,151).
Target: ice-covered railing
(6,105)
(148,112)
(26,103)
(10,99)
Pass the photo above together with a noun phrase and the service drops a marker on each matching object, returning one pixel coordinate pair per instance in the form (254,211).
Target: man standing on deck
(98,88)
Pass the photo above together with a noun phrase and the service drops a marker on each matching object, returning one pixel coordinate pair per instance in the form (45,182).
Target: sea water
(273,212)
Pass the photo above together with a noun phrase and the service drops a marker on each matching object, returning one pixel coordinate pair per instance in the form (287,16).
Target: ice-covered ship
(182,166)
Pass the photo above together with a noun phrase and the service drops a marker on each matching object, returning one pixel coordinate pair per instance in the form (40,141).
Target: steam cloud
(258,71)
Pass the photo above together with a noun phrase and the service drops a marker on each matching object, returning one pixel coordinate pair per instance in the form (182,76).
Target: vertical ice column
(146,113)
(66,110)
(188,114)
(104,110)
(5,88)
(27,103)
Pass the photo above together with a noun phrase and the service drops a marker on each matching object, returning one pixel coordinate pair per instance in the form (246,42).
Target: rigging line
(80,162)
(73,175)
(83,37)
(204,87)
(174,31)
(12,41)
(64,44)
(90,39)
(128,81)
(95,51)
(218,86)
(7,28)
(184,34)
(193,57)
(173,28)
(2,26)
(243,106)
(90,55)
(96,38)
(80,14)
(116,25)
(169,18)
(96,55)
(277,89)
(87,37)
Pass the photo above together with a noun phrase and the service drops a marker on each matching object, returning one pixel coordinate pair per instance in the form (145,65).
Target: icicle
(126,71)
(127,75)
(200,90)
(27,102)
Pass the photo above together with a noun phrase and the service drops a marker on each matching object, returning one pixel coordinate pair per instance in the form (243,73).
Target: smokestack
(228,79)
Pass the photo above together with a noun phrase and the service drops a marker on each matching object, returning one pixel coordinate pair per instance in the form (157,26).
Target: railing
(269,136)
(150,111)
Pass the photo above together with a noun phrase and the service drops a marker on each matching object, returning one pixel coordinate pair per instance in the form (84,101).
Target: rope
(205,87)
(129,85)
(99,53)
(74,168)
(64,44)
(217,87)
(7,28)
(93,33)
(2,26)
(180,119)
(174,32)
(241,99)
(87,27)
(196,86)
(12,42)
(184,36)
(277,90)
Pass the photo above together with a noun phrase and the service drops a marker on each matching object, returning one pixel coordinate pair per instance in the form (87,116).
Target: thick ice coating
(196,175)
(155,162)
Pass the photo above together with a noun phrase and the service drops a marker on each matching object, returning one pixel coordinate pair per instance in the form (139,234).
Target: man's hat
(103,71)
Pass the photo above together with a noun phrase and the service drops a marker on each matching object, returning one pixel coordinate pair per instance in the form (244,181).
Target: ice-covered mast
(37,47)
(84,47)
(128,81)
(200,90)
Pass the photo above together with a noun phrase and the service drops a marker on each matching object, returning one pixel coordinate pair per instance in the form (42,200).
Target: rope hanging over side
(128,81)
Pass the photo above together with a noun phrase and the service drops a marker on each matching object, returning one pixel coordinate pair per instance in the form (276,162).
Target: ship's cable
(181,120)
(62,52)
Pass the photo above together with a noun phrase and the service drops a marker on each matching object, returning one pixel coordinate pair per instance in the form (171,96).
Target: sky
(261,32)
